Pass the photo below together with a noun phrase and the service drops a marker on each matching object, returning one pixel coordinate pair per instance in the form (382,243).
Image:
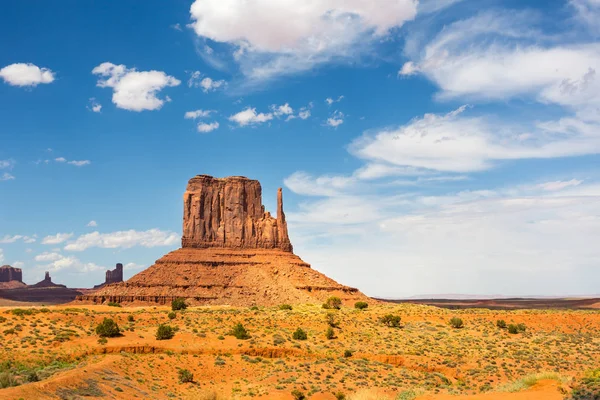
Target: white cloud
(197,114)
(330,101)
(304,114)
(588,12)
(61,263)
(7,164)
(134,90)
(198,80)
(177,27)
(56,239)
(304,184)
(6,177)
(336,119)
(123,240)
(22,74)
(92,224)
(47,257)
(94,106)
(133,266)
(77,163)
(270,38)
(14,238)
(250,116)
(409,68)
(283,109)
(207,127)
(458,143)
(559,185)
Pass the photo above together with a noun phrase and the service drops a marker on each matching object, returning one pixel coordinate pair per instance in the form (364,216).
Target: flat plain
(54,352)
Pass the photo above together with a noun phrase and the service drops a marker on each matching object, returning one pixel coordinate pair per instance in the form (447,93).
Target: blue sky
(440,146)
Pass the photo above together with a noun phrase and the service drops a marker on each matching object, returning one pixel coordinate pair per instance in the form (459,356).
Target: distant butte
(233,253)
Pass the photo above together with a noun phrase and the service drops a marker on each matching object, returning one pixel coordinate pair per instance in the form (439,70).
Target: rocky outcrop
(229,213)
(234,253)
(114,276)
(47,283)
(8,274)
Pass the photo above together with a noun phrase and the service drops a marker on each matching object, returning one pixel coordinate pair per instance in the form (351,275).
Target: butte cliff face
(234,253)
(8,273)
(229,213)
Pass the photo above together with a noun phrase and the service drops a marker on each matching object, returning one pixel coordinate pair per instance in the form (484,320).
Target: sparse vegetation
(393,321)
(501,324)
(185,376)
(239,332)
(285,307)
(172,315)
(108,328)
(164,332)
(178,304)
(331,320)
(456,323)
(113,304)
(348,353)
(587,388)
(130,318)
(299,334)
(333,303)
(298,395)
(330,333)
(361,305)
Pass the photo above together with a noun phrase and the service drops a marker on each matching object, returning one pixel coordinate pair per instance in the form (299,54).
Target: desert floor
(54,353)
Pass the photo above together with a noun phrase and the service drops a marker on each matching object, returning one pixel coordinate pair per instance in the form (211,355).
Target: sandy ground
(425,355)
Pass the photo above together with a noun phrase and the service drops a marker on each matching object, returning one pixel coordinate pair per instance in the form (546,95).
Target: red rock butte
(233,253)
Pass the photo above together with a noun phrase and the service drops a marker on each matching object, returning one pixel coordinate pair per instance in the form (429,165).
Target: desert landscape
(235,314)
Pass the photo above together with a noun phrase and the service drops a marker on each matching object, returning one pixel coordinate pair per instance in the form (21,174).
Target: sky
(424,147)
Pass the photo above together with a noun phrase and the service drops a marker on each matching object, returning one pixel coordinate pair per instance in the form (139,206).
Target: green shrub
(254,308)
(361,305)
(172,315)
(513,329)
(285,307)
(185,376)
(113,304)
(298,395)
(348,353)
(7,380)
(164,332)
(299,334)
(330,334)
(178,304)
(102,341)
(456,323)
(130,318)
(521,327)
(240,332)
(333,303)
(501,324)
(22,311)
(393,321)
(108,328)
(587,388)
(331,321)
(340,396)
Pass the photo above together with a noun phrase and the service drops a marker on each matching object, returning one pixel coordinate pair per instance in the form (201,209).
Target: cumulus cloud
(207,84)
(207,127)
(249,116)
(22,74)
(94,106)
(134,90)
(92,224)
(330,100)
(197,114)
(14,238)
(336,119)
(58,262)
(57,239)
(123,240)
(47,257)
(269,38)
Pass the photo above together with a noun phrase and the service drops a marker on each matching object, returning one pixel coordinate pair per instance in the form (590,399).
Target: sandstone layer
(233,253)
(229,213)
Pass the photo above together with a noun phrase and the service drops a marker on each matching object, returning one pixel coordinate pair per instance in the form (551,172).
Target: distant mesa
(47,283)
(114,276)
(11,277)
(233,253)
